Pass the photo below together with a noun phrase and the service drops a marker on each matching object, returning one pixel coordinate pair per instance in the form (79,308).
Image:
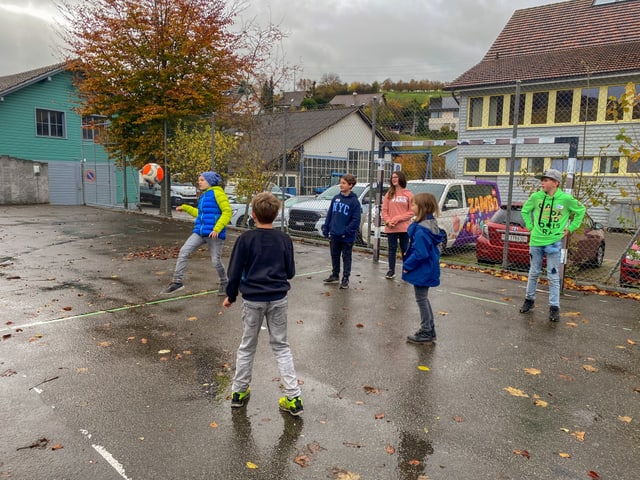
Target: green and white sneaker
(293,406)
(238,399)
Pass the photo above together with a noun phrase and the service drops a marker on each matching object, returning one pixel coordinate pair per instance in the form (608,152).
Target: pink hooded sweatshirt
(397,210)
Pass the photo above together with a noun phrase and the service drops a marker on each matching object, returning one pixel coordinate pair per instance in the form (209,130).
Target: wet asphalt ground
(102,378)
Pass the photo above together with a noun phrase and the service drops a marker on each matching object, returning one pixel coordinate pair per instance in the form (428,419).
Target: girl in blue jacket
(421,263)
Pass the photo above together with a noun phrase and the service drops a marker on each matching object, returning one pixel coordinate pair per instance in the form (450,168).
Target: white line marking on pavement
(116,465)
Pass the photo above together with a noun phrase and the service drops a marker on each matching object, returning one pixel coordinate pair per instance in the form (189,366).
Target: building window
(93,127)
(564,106)
(436,114)
(633,166)
(517,164)
(521,106)
(472,164)
(475,112)
(614,109)
(584,165)
(636,108)
(496,103)
(49,123)
(540,107)
(589,104)
(492,165)
(535,165)
(609,164)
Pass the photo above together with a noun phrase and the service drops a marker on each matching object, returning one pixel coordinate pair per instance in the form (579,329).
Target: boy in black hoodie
(340,226)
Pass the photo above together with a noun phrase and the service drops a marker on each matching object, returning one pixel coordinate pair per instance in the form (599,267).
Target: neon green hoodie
(547,217)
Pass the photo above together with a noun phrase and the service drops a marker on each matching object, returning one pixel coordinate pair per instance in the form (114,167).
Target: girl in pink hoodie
(396,215)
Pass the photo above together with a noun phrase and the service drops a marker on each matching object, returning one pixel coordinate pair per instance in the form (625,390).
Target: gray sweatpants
(253,313)
(190,245)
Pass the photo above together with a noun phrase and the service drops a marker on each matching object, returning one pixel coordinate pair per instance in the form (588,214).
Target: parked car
(180,193)
(630,266)
(586,245)
(465,205)
(239,210)
(307,217)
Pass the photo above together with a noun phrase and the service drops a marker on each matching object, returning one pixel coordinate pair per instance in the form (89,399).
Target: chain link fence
(481,154)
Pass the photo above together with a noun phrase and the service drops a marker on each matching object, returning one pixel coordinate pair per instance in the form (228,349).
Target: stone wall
(23,182)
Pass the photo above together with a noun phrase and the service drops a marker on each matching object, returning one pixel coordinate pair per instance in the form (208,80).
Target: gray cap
(553,174)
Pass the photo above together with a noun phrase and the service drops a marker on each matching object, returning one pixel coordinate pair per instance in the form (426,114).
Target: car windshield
(331,192)
(501,216)
(434,188)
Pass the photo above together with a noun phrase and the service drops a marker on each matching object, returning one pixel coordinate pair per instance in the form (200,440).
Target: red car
(586,246)
(630,266)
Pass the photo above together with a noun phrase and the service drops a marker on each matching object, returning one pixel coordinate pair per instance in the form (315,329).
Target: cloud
(360,40)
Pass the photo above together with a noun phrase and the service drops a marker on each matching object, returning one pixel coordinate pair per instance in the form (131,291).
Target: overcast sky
(360,40)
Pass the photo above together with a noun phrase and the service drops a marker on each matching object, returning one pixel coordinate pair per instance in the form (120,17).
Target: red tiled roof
(561,40)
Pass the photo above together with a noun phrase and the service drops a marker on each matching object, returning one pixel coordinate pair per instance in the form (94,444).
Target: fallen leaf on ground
(524,453)
(593,474)
(564,455)
(369,390)
(579,436)
(359,325)
(192,319)
(390,450)
(251,465)
(162,352)
(458,419)
(379,416)
(540,403)
(444,314)
(57,446)
(625,419)
(631,342)
(532,371)
(570,314)
(302,460)
(213,425)
(516,392)
(424,368)
(414,462)
(571,324)
(590,368)
(104,344)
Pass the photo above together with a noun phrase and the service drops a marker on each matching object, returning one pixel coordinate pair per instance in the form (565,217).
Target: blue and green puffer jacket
(213,212)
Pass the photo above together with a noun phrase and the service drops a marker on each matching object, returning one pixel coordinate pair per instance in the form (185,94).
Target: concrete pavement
(136,385)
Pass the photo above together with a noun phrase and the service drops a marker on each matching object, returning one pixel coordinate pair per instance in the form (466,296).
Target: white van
(464,206)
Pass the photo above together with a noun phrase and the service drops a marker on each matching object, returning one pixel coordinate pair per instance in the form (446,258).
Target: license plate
(517,238)
(300,224)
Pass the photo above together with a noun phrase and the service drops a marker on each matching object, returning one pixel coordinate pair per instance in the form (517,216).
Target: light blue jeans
(536,255)
(253,314)
(194,242)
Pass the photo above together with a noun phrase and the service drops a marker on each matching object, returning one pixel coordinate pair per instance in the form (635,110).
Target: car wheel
(599,258)
(240,222)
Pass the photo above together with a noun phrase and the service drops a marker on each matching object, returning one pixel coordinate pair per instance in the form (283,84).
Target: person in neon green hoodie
(550,214)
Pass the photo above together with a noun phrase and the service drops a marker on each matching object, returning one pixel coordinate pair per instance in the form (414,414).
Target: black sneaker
(172,288)
(527,306)
(420,338)
(331,279)
(390,275)
(238,399)
(554,314)
(344,283)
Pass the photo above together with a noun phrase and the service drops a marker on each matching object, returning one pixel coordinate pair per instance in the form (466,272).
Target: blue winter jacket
(213,212)
(343,218)
(421,263)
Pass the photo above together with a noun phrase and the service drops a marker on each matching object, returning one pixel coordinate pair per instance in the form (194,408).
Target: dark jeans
(393,239)
(427,326)
(339,248)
